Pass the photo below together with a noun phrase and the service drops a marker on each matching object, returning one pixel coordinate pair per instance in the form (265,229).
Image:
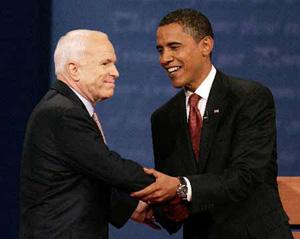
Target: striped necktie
(195,123)
(96,119)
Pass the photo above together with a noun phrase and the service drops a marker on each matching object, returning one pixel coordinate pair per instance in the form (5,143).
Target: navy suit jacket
(234,188)
(69,176)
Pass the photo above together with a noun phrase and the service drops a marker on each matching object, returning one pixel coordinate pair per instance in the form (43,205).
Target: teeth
(173,69)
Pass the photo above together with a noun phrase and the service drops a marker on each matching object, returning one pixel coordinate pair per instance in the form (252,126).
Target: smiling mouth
(110,81)
(172,70)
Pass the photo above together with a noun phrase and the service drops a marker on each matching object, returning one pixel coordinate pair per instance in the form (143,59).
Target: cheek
(102,87)
(193,62)
(186,59)
(97,80)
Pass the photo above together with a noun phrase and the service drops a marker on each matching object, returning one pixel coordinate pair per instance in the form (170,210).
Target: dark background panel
(24,77)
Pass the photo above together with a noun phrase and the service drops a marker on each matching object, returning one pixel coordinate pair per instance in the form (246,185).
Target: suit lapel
(215,108)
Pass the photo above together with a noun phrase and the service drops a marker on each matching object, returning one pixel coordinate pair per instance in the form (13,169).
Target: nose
(165,57)
(114,72)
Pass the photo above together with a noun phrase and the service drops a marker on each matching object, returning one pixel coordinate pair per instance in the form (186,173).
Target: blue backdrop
(254,39)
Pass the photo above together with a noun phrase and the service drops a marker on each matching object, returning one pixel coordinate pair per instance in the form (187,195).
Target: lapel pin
(216,111)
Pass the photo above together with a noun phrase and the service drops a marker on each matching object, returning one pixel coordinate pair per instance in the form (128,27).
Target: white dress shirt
(203,91)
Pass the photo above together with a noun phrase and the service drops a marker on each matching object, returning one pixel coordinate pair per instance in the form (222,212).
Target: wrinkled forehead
(100,42)
(99,45)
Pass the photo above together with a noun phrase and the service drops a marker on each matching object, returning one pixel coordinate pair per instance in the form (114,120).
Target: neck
(76,86)
(205,71)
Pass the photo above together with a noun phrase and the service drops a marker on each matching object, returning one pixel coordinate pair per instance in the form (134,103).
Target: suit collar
(88,105)
(65,90)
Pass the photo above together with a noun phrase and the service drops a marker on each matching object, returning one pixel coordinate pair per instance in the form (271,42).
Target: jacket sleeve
(81,148)
(169,225)
(121,207)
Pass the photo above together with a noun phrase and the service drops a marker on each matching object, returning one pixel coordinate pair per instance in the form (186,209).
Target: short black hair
(193,22)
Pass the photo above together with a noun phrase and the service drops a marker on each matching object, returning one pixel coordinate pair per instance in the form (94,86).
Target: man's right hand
(144,214)
(163,189)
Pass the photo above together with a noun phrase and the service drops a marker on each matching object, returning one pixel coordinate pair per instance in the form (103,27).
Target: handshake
(160,199)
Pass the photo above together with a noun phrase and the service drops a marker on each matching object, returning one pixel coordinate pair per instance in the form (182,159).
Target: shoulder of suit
(170,104)
(56,99)
(55,105)
(244,87)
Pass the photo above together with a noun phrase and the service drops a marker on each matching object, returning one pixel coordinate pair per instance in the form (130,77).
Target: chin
(177,83)
(110,94)
(105,96)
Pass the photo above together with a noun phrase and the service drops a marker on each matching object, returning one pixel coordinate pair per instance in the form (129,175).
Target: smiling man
(219,135)
(184,59)
(69,177)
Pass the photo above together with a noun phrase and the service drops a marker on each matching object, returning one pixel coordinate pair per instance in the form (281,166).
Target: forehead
(173,30)
(101,47)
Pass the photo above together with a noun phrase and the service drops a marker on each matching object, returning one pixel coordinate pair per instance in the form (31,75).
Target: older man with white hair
(70,179)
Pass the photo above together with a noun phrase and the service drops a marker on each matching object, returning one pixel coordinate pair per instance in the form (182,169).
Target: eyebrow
(169,44)
(108,59)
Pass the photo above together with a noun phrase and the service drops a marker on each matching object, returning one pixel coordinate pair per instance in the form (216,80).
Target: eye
(174,47)
(105,63)
(160,50)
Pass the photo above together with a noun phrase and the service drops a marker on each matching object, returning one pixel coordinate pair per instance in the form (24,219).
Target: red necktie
(96,119)
(195,123)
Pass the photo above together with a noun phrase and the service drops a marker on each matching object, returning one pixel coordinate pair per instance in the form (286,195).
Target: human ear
(73,70)
(207,45)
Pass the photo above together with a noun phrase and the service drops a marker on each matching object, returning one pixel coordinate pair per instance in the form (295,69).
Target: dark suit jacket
(234,188)
(67,173)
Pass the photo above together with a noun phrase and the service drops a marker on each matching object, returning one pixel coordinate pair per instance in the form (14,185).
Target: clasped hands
(161,193)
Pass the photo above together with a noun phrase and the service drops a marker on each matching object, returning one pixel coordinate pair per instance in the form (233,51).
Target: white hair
(72,46)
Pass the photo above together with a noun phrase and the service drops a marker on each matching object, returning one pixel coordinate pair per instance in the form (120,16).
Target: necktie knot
(194,99)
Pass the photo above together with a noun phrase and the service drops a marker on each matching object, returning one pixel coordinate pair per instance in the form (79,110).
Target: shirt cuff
(189,189)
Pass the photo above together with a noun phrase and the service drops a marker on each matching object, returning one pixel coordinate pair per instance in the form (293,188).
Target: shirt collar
(88,105)
(204,88)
